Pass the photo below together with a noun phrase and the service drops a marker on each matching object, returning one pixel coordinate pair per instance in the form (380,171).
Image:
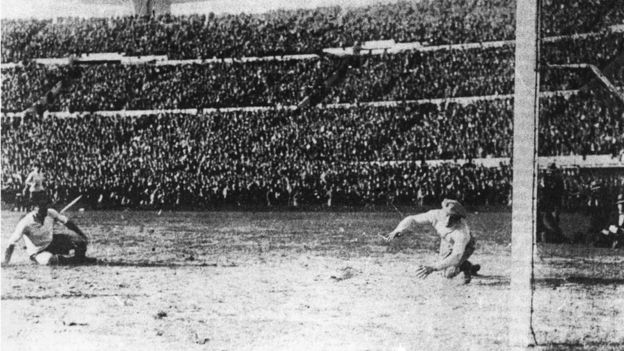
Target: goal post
(526,104)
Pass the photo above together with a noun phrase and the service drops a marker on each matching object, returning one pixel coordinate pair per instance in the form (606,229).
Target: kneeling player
(45,247)
(457,243)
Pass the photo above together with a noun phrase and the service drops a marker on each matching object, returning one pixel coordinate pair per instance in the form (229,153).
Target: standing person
(597,206)
(457,243)
(43,246)
(553,191)
(613,235)
(550,194)
(34,184)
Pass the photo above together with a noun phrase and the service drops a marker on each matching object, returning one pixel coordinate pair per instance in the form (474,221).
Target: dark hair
(41,214)
(453,219)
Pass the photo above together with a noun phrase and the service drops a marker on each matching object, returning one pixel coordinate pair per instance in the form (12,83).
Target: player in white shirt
(457,242)
(42,245)
(34,184)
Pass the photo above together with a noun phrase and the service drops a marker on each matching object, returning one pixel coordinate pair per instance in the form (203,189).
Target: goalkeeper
(457,243)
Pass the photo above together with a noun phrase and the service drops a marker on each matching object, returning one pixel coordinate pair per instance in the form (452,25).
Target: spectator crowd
(586,188)
(564,17)
(581,124)
(333,156)
(352,155)
(296,31)
(597,50)
(429,74)
(23,85)
(403,76)
(272,33)
(147,87)
(263,158)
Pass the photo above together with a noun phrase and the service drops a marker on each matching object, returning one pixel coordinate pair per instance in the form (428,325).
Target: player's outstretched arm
(67,222)
(15,237)
(409,224)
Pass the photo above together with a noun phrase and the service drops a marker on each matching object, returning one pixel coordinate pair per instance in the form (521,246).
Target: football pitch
(295,281)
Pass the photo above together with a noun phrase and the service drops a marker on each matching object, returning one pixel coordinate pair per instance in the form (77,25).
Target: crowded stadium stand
(291,108)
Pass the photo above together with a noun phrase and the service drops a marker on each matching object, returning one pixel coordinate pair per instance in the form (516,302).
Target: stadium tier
(470,72)
(148,87)
(564,17)
(410,75)
(296,31)
(273,33)
(429,74)
(596,49)
(583,124)
(23,85)
(252,158)
(366,151)
(265,156)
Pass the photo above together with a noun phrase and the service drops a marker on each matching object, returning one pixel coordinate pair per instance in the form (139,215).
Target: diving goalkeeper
(457,243)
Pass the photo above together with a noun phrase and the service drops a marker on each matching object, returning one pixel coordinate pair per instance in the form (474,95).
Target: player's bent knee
(46,259)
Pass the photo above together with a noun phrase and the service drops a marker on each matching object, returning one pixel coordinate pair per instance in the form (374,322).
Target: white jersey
(433,217)
(37,236)
(35,181)
(456,240)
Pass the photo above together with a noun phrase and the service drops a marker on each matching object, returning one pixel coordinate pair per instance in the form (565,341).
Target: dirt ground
(283,281)
(579,297)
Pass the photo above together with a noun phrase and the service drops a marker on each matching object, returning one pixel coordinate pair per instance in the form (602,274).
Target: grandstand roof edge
(397,48)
